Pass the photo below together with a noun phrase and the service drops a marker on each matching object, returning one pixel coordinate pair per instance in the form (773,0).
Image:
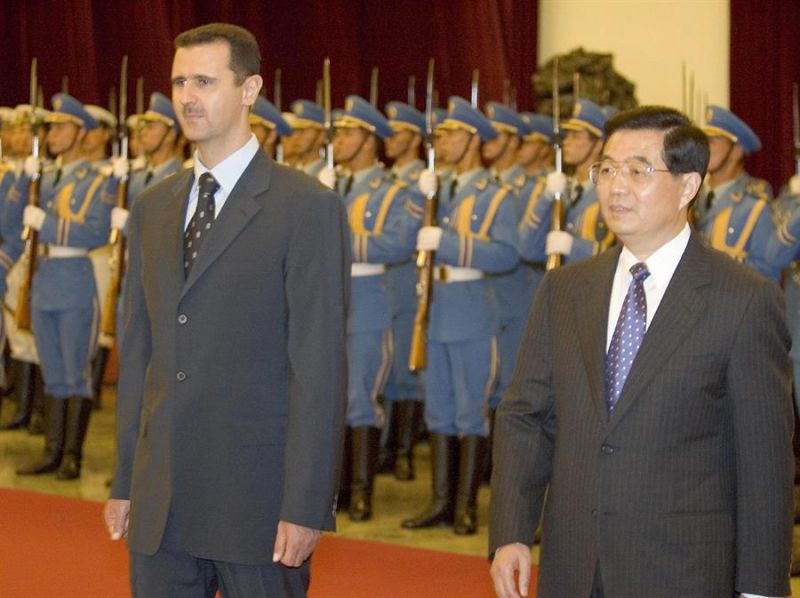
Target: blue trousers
(403,384)
(369,360)
(66,340)
(459,383)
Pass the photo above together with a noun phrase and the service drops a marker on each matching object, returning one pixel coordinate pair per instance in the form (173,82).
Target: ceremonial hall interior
(689,55)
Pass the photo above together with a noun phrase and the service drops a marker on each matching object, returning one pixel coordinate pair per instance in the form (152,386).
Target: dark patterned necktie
(201,222)
(627,337)
(577,193)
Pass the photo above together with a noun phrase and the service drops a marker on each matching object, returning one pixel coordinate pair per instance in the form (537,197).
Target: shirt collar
(663,261)
(365,173)
(228,172)
(466,177)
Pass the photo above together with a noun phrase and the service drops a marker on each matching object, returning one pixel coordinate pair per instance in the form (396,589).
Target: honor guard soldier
(511,289)
(735,215)
(403,391)
(23,373)
(536,154)
(268,125)
(95,144)
(74,217)
(307,138)
(476,236)
(585,233)
(158,134)
(383,228)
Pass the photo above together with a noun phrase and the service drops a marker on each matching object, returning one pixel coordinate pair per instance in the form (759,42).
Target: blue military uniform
(383,230)
(64,303)
(583,218)
(511,289)
(479,233)
(737,218)
(783,251)
(308,115)
(402,277)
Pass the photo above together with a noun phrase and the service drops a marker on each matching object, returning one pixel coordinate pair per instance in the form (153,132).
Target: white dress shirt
(662,264)
(227,173)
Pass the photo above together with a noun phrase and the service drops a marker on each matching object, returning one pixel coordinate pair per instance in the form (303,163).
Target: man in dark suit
(232,388)
(652,405)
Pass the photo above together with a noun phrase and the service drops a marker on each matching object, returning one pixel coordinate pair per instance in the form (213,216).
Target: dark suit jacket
(687,490)
(232,387)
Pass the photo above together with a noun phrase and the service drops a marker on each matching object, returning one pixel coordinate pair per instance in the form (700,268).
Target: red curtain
(86,39)
(765,61)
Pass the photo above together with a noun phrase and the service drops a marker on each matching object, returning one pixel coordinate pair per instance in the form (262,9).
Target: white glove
(429,238)
(327,176)
(428,182)
(33,216)
(120,167)
(556,183)
(119,218)
(794,185)
(559,241)
(138,163)
(31,166)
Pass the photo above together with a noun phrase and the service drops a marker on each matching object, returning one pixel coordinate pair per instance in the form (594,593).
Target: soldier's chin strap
(724,160)
(161,142)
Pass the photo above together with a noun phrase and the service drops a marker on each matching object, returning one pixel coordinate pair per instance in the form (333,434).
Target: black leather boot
(98,373)
(21,387)
(55,411)
(79,409)
(469,477)
(387,451)
(405,426)
(443,468)
(365,454)
(343,498)
(36,425)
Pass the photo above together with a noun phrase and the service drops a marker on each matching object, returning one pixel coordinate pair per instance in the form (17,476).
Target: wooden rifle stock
(418,358)
(116,264)
(31,238)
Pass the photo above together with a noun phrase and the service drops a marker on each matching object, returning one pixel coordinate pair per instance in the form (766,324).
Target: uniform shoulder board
(757,188)
(481,184)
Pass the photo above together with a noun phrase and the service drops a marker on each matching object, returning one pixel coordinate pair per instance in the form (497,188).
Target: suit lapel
(239,209)
(176,216)
(677,314)
(592,310)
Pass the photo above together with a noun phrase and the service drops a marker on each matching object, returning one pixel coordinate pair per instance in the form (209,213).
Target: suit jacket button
(180,376)
(606,449)
(594,512)
(182,319)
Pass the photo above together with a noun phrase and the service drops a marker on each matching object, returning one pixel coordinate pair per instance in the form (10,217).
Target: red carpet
(55,547)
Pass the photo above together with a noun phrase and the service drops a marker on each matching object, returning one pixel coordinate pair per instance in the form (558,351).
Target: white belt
(62,251)
(452,274)
(358,269)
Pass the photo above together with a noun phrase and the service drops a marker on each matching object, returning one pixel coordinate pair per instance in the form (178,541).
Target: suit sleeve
(760,389)
(525,428)
(317,295)
(134,358)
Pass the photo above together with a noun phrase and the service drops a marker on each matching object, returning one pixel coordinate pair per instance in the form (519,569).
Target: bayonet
(473,96)
(326,106)
(412,91)
(796,128)
(373,87)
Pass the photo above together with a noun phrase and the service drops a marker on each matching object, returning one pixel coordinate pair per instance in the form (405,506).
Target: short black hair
(685,145)
(245,54)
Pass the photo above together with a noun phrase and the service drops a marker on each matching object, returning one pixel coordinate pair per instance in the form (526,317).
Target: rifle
(473,97)
(29,234)
(116,263)
(373,87)
(556,222)
(277,102)
(411,95)
(417,359)
(326,106)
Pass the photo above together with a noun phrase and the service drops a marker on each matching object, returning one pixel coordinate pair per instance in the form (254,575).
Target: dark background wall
(85,39)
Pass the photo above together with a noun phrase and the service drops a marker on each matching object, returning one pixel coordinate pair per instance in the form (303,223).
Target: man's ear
(690,185)
(250,88)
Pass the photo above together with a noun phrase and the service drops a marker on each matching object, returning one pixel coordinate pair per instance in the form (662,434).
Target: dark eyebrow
(640,158)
